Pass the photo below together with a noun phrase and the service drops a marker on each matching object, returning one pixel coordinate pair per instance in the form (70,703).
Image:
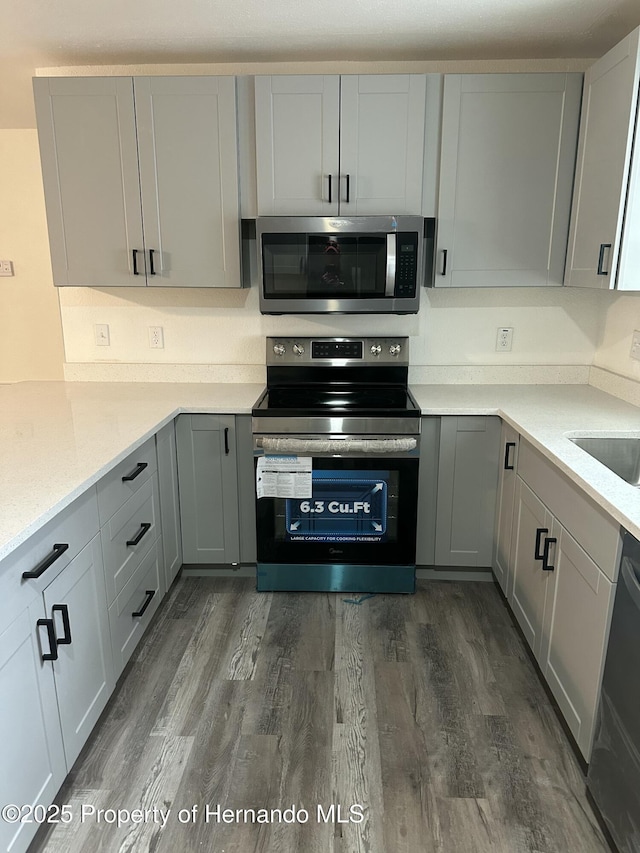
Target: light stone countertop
(60,438)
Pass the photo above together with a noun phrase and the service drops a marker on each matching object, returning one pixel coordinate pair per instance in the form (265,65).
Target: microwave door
(284,259)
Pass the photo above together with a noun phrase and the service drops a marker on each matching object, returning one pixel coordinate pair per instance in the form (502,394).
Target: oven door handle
(333,446)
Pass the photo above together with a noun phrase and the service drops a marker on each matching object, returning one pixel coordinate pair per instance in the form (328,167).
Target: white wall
(620,318)
(30,327)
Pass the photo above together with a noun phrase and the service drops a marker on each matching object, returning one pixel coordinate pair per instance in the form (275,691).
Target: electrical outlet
(156,337)
(635,345)
(6,268)
(101,332)
(504,339)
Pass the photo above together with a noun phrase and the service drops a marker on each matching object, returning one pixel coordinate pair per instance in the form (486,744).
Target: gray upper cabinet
(507,164)
(141,180)
(351,145)
(604,249)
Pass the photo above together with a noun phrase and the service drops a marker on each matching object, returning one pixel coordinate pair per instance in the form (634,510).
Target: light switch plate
(6,267)
(635,345)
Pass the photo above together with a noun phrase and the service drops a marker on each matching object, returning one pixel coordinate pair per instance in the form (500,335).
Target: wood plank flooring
(423,713)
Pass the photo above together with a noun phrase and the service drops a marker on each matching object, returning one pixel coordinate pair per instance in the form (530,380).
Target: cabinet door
(606,138)
(507,163)
(189,180)
(509,441)
(381,143)
(297,144)
(577,614)
(208,486)
(467,485)
(169,502)
(86,128)
(31,752)
(84,668)
(529,580)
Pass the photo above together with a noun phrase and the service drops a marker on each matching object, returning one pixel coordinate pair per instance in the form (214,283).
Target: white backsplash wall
(621,317)
(553,328)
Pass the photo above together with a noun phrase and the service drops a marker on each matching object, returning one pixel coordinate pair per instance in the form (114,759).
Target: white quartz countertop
(59,438)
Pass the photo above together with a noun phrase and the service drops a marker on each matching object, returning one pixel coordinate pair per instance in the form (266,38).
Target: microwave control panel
(406,265)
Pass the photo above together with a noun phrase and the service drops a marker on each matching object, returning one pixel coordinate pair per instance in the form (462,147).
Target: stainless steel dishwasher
(614,773)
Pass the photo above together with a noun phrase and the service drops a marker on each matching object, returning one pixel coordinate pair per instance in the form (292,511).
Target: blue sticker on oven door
(342,509)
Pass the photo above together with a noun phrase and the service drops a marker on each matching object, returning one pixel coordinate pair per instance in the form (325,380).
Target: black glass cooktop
(328,400)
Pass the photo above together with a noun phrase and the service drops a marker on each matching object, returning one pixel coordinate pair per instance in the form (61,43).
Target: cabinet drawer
(128,535)
(73,527)
(114,491)
(588,523)
(132,610)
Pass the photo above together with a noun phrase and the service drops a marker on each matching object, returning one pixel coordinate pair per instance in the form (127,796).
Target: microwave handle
(391,265)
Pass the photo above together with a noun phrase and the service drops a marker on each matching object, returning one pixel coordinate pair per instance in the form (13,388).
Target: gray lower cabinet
(467,485)
(31,750)
(76,602)
(208,483)
(141,180)
(563,559)
(169,501)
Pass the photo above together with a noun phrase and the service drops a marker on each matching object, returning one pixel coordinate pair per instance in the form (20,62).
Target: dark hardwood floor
(421,717)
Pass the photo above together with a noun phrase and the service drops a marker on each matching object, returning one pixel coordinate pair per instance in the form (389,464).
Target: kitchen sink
(620,455)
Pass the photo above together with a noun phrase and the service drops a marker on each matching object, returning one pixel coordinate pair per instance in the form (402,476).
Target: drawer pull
(545,554)
(149,595)
(135,473)
(226,441)
(540,532)
(53,646)
(41,568)
(64,610)
(145,527)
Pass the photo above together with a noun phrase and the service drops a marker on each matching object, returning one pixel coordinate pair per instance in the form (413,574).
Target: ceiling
(45,33)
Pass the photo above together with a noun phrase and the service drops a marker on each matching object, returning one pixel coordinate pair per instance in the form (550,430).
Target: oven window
(346,506)
(324,266)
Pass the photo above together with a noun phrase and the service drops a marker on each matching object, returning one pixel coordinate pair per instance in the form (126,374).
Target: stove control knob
(395,349)
(298,349)
(376,349)
(279,349)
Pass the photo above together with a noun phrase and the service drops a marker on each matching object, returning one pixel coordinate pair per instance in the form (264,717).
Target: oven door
(357,531)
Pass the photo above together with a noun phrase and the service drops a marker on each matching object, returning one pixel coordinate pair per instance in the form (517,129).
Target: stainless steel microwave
(341,265)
